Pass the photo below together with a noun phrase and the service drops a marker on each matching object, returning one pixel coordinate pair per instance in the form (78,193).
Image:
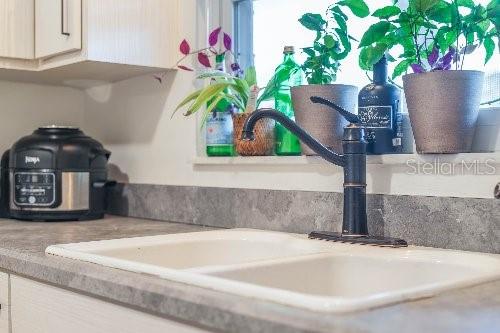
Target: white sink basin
(291,269)
(194,250)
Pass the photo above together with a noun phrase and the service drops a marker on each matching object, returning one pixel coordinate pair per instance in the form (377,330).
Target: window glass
(275,24)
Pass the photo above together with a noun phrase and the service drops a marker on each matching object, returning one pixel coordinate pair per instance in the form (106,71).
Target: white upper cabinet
(77,42)
(134,32)
(58,27)
(17,29)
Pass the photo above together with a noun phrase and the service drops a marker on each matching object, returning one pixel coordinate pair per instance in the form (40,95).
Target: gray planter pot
(443,108)
(320,121)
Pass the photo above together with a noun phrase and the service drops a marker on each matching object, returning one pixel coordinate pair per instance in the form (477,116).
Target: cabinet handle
(64,18)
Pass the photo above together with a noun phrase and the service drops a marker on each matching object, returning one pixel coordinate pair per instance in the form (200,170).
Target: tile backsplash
(445,222)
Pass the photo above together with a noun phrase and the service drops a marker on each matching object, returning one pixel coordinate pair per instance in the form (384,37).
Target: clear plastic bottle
(219,126)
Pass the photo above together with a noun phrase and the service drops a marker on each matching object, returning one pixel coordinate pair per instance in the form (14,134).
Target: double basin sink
(291,269)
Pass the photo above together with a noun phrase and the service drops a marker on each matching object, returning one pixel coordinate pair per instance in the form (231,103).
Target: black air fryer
(57,173)
(4,185)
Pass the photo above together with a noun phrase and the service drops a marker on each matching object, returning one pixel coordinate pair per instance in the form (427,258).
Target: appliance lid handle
(99,151)
(103,184)
(107,153)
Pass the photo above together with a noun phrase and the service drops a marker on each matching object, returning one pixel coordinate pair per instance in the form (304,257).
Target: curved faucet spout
(350,117)
(303,136)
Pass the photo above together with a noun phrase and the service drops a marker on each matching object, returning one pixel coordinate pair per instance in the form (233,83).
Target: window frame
(243,22)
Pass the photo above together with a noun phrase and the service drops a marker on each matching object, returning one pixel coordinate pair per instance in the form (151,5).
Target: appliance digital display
(34,189)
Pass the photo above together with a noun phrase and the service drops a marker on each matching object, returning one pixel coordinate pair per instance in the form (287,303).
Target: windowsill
(491,158)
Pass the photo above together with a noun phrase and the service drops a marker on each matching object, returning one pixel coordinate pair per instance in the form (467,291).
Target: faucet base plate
(358,239)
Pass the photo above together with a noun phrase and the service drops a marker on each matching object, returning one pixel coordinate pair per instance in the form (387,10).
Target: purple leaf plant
(236,69)
(228,42)
(204,59)
(216,46)
(213,38)
(184,47)
(433,56)
(417,68)
(435,62)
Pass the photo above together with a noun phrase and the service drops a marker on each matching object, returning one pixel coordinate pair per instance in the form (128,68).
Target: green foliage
(421,6)
(357,7)
(273,86)
(313,22)
(223,86)
(370,55)
(386,12)
(430,26)
(332,43)
(375,33)
(251,76)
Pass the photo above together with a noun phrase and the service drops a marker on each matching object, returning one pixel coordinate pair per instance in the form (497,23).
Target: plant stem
(415,41)
(491,102)
(368,76)
(425,43)
(466,33)
(191,53)
(394,83)
(458,34)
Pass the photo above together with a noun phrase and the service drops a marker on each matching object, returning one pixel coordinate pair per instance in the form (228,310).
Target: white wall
(24,107)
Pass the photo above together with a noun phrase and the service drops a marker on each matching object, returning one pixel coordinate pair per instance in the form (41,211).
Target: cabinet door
(17,29)
(4,303)
(40,308)
(58,27)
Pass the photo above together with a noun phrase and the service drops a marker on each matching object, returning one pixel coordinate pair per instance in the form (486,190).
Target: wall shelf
(490,158)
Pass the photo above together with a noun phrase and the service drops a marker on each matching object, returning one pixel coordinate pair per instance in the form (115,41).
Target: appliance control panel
(35,189)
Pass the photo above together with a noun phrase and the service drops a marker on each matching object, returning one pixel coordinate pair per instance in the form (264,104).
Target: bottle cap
(289,50)
(220,57)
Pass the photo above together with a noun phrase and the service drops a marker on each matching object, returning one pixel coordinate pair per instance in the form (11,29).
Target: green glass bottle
(287,144)
(219,126)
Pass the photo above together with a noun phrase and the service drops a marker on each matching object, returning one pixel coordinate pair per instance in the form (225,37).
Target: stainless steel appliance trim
(75,193)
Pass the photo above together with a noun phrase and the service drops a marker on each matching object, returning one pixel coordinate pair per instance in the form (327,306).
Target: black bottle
(379,112)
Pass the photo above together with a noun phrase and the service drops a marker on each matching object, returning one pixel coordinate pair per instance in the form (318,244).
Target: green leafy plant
(332,43)
(223,86)
(274,84)
(433,34)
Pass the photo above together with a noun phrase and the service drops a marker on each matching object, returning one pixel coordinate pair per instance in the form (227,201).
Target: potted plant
(237,89)
(436,36)
(332,44)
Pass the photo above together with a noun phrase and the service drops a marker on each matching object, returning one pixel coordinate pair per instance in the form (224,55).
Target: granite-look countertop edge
(172,300)
(22,252)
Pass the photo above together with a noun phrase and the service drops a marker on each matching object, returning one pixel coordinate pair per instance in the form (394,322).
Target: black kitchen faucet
(353,161)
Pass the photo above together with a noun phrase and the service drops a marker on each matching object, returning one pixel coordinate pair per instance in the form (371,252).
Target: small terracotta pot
(263,145)
(320,121)
(443,108)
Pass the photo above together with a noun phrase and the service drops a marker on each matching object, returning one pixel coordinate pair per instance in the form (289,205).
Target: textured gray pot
(320,121)
(443,108)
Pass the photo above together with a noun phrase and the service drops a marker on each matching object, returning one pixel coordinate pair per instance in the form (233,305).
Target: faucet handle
(350,117)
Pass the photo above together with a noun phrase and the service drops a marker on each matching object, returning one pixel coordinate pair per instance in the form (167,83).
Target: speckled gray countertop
(22,245)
